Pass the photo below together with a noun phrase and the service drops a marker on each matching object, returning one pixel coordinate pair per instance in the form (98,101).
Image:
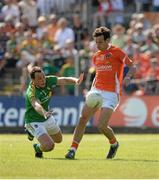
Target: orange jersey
(109,65)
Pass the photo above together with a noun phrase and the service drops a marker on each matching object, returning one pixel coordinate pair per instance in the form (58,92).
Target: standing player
(39,121)
(109,63)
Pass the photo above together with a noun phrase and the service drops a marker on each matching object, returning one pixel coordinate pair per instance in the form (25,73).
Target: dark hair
(102,31)
(34,70)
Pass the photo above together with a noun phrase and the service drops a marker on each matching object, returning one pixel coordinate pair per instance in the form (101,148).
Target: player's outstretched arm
(70,80)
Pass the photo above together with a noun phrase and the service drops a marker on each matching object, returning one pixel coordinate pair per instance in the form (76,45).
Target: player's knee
(59,140)
(48,146)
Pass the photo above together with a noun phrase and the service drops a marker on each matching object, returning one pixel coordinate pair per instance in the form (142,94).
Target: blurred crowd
(56,35)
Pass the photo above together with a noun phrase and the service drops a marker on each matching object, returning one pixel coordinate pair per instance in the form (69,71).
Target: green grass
(137,158)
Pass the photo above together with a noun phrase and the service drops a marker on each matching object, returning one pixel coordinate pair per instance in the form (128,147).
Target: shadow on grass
(137,160)
(60,159)
(106,160)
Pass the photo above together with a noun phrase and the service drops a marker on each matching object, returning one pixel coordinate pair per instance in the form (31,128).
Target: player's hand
(47,114)
(126,81)
(30,67)
(80,79)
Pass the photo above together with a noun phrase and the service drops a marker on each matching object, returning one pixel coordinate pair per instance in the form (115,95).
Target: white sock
(114,144)
(74,149)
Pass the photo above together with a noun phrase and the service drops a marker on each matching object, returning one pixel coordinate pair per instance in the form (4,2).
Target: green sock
(38,149)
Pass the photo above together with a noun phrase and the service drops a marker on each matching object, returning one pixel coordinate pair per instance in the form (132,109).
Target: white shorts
(37,129)
(110,99)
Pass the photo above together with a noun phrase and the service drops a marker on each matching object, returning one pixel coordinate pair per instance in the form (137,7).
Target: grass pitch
(137,158)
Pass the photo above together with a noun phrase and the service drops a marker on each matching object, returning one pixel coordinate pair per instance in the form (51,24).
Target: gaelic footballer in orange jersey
(109,65)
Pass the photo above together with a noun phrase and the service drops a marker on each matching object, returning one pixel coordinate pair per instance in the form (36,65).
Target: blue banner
(66,110)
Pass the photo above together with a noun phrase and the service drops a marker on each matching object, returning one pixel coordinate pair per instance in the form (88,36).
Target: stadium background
(29,33)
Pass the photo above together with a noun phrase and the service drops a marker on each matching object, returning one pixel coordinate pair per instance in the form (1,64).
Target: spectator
(46,7)
(25,22)
(84,55)
(11,53)
(42,27)
(118,37)
(63,6)
(19,32)
(9,26)
(25,59)
(68,70)
(29,10)
(50,69)
(152,78)
(142,19)
(143,59)
(63,33)
(69,49)
(153,71)
(52,26)
(28,49)
(46,43)
(130,48)
(104,8)
(117,8)
(139,74)
(79,30)
(30,43)
(138,36)
(12,10)
(58,58)
(149,45)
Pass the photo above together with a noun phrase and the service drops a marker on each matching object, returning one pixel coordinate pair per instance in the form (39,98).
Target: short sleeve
(30,92)
(124,57)
(51,81)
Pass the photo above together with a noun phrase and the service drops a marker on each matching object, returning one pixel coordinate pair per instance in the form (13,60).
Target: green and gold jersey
(43,96)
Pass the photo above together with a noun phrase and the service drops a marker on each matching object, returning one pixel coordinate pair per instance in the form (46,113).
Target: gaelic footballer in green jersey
(39,120)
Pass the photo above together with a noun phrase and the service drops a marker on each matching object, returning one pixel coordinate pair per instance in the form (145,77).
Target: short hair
(34,70)
(102,31)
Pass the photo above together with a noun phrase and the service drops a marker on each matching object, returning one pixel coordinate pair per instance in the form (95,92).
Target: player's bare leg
(57,138)
(79,130)
(105,129)
(46,144)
